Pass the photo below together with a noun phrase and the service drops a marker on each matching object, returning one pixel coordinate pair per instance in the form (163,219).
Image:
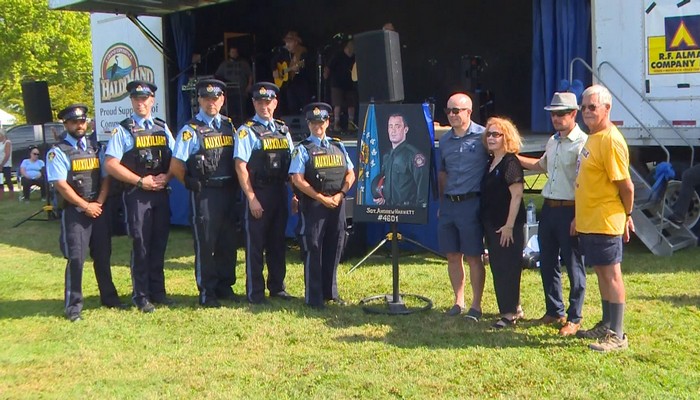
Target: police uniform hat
(318,111)
(73,112)
(264,91)
(141,88)
(210,88)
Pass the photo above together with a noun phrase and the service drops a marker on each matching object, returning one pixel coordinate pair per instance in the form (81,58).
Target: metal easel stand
(393,304)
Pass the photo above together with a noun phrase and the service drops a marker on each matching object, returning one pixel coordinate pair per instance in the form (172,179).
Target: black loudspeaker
(37,104)
(379,72)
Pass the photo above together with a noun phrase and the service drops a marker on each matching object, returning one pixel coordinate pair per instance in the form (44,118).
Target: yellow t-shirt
(603,160)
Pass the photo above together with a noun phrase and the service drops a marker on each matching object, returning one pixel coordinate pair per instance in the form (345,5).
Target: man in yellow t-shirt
(604,196)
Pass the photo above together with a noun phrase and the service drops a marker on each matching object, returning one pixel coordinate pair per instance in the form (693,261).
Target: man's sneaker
(597,332)
(675,221)
(611,342)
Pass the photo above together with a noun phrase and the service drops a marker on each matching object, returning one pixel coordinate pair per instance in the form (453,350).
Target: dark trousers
(7,176)
(555,240)
(506,266)
(78,233)
(27,186)
(266,235)
(214,220)
(690,179)
(148,224)
(297,95)
(322,233)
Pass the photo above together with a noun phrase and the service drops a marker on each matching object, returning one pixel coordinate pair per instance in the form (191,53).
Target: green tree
(39,44)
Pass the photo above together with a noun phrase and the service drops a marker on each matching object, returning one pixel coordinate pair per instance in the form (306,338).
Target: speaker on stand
(379,71)
(37,109)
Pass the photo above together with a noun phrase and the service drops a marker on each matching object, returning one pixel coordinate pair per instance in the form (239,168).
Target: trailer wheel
(693,216)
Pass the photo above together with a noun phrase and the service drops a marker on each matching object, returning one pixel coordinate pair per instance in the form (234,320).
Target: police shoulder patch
(295,152)
(242,133)
(419,160)
(114,131)
(186,135)
(51,155)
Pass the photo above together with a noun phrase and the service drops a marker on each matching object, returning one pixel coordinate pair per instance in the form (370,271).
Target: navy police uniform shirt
(247,140)
(465,160)
(122,140)
(58,164)
(301,156)
(187,142)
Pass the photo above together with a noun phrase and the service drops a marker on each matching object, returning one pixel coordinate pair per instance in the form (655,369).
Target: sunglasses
(494,134)
(454,111)
(35,154)
(561,113)
(590,107)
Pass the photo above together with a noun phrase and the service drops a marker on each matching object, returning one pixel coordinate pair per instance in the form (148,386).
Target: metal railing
(622,103)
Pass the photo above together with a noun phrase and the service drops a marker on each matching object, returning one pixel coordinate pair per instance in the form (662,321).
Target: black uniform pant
(266,235)
(322,232)
(78,233)
(214,220)
(506,266)
(148,224)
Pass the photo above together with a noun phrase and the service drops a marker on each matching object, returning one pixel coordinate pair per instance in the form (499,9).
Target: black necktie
(147,124)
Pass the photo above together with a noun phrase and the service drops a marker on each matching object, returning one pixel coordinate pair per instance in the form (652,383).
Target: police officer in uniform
(404,169)
(203,161)
(138,155)
(322,172)
(262,154)
(74,167)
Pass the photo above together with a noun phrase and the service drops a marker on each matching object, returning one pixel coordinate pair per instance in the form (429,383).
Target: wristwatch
(139,184)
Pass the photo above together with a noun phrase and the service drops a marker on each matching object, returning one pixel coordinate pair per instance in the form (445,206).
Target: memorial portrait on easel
(394,164)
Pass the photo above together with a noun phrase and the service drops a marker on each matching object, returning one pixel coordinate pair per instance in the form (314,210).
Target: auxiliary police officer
(322,171)
(203,161)
(74,167)
(138,154)
(262,154)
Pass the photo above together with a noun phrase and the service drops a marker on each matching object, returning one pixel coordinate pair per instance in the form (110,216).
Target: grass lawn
(286,350)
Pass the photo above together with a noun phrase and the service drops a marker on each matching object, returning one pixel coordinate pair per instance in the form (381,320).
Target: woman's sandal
(503,322)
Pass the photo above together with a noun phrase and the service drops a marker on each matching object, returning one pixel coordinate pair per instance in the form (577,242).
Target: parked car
(25,136)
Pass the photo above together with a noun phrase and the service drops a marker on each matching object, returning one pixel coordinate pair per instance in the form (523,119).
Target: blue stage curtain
(183,26)
(561,31)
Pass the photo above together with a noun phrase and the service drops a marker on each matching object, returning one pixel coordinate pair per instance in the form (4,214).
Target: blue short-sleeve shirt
(247,140)
(301,156)
(188,144)
(122,141)
(58,164)
(464,159)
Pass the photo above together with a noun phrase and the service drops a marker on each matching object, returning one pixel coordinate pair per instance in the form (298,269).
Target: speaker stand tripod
(393,304)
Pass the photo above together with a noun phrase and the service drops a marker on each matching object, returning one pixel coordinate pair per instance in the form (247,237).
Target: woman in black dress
(503,216)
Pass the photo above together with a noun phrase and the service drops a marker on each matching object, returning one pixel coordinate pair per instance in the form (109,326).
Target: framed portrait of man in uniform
(394,159)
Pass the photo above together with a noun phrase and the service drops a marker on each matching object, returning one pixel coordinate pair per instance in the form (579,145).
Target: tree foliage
(39,44)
